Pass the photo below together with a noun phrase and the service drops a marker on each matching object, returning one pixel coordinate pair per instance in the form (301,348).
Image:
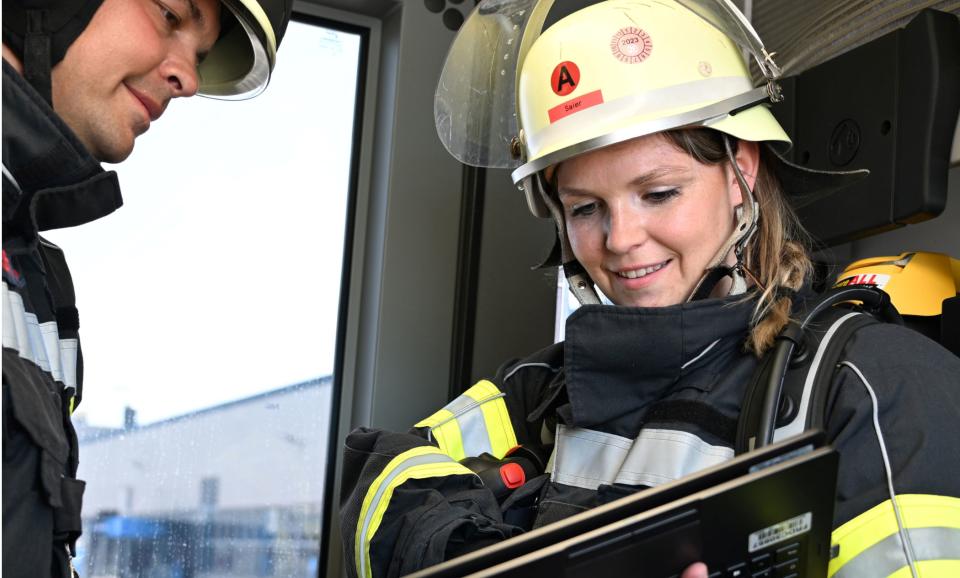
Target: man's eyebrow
(195,12)
(639,181)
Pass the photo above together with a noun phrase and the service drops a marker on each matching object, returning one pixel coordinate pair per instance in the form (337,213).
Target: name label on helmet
(565,78)
(576,105)
(876,279)
(631,45)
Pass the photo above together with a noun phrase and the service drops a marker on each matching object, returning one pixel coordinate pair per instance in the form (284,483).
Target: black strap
(36,54)
(694,412)
(828,368)
(571,268)
(822,320)
(710,281)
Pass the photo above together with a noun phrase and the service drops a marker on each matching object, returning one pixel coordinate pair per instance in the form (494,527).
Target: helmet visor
(475,103)
(475,108)
(239,64)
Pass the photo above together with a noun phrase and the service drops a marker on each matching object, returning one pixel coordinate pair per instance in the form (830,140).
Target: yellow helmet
(511,97)
(918,283)
(622,69)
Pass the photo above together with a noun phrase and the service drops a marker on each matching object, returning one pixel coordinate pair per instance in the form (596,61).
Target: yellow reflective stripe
(445,429)
(416,463)
(931,569)
(450,438)
(879,523)
(495,434)
(497,419)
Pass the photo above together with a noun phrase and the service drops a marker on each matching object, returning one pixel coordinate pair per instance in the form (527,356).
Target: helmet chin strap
(581,285)
(747,214)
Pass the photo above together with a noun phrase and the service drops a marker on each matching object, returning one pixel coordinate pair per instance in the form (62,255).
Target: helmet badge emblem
(565,78)
(631,45)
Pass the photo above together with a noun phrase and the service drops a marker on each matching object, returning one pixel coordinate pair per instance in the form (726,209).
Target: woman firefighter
(637,128)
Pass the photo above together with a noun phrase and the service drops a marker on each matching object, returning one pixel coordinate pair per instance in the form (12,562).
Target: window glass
(208,311)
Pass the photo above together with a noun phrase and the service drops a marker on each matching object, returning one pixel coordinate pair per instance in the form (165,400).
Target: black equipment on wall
(889,106)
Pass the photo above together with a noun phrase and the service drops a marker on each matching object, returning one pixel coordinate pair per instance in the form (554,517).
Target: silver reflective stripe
(68,361)
(473,429)
(384,484)
(9,175)
(705,116)
(886,556)
(799,423)
(587,458)
(37,342)
(699,355)
(522,365)
(473,432)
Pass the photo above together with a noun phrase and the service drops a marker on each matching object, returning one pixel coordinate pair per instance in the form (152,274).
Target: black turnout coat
(637,397)
(49,181)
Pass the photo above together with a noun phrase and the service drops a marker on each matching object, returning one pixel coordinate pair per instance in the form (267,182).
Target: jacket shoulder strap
(805,385)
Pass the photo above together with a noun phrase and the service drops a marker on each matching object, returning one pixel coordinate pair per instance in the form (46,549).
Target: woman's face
(645,219)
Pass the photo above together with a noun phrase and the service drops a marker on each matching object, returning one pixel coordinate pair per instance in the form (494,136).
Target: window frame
(356,236)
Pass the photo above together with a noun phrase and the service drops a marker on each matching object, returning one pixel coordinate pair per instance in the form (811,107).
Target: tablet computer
(767,513)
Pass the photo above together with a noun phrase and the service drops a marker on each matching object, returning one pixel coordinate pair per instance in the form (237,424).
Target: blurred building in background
(234,490)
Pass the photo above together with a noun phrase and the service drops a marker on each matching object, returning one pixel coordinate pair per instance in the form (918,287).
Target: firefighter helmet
(621,69)
(917,282)
(238,66)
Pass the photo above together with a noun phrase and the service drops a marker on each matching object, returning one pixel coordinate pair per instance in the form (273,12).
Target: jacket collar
(55,178)
(621,359)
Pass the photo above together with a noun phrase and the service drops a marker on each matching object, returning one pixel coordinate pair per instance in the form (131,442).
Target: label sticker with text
(876,279)
(780,532)
(575,105)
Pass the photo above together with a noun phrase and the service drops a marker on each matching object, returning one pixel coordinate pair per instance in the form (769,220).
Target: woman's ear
(748,159)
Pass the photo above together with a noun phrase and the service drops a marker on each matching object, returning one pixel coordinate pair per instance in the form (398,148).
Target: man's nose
(180,73)
(625,229)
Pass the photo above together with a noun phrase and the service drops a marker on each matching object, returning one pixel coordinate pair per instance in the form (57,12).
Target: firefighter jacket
(49,181)
(643,396)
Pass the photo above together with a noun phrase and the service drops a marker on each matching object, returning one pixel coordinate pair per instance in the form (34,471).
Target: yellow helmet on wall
(918,283)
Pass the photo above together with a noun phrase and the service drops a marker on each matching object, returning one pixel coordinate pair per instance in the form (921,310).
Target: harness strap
(807,382)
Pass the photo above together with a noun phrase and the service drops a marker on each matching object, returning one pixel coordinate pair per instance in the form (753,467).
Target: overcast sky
(219,278)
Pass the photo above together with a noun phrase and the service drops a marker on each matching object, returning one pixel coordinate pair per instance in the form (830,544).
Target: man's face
(122,71)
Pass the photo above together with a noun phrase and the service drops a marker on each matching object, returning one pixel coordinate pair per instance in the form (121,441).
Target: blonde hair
(777,256)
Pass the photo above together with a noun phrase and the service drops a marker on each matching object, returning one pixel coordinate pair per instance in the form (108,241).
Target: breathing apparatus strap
(580,283)
(36,54)
(747,215)
(709,281)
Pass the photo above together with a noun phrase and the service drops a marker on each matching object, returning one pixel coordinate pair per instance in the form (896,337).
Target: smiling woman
(645,219)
